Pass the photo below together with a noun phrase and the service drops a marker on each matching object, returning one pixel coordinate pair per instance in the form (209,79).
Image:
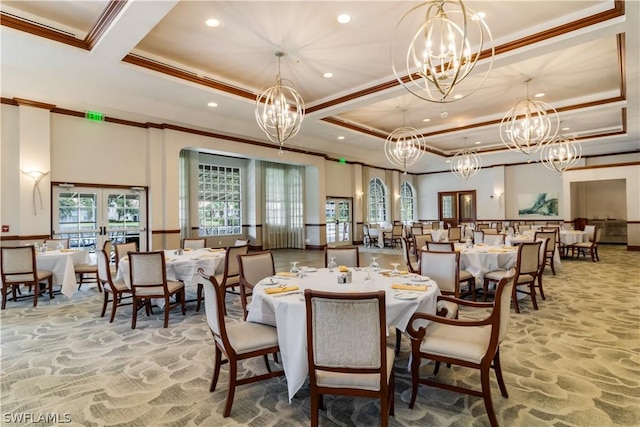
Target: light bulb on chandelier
(280,110)
(465,163)
(440,55)
(404,146)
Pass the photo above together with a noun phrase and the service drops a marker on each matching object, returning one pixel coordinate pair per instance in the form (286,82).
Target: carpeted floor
(575,362)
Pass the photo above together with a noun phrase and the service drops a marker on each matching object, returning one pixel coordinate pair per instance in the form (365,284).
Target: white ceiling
(158,62)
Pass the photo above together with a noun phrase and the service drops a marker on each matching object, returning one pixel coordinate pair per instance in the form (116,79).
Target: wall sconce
(397,196)
(37,176)
(359,194)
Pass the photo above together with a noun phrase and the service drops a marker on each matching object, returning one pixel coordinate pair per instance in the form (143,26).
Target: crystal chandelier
(440,54)
(529,125)
(280,110)
(404,147)
(561,154)
(465,163)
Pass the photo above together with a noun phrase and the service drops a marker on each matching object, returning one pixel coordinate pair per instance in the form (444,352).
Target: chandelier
(561,154)
(440,54)
(529,125)
(465,163)
(404,146)
(280,110)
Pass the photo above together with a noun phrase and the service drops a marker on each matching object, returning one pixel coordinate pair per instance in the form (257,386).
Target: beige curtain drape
(283,206)
(187,160)
(366,177)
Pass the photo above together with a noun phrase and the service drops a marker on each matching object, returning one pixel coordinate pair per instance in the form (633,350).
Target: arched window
(377,201)
(407,203)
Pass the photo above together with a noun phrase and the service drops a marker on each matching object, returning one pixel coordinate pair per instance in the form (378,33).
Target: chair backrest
(440,246)
(444,268)
(396,230)
(241,242)
(53,243)
(551,235)
(416,229)
(122,249)
(214,307)
(194,243)
(104,272)
(483,226)
(455,233)
(365,230)
(17,260)
(528,258)
(405,252)
(542,254)
(494,239)
(501,310)
(524,227)
(231,264)
(347,255)
(427,226)
(591,231)
(490,231)
(421,240)
(147,269)
(255,267)
(108,248)
(597,234)
(346,333)
(478,236)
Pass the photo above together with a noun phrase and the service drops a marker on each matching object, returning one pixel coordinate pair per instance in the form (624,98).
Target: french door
(457,206)
(339,223)
(89,216)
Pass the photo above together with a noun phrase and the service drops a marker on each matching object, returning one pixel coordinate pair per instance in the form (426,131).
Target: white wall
(532,179)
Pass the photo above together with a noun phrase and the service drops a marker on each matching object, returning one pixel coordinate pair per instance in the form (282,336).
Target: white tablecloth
(513,240)
(481,259)
(377,235)
(439,234)
(288,312)
(570,237)
(182,267)
(61,264)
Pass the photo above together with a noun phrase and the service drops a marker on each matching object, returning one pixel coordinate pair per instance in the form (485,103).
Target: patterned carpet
(575,362)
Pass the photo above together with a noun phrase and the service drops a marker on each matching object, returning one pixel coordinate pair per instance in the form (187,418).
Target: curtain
(183,194)
(283,196)
(366,177)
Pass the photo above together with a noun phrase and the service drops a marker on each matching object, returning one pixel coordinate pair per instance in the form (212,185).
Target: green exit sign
(95,116)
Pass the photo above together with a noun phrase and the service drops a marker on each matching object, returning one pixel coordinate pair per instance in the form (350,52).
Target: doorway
(456,207)
(339,223)
(88,216)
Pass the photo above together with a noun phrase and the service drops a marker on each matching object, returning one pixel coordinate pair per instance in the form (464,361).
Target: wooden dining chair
(455,234)
(253,267)
(347,349)
(18,267)
(194,243)
(148,278)
(440,246)
(526,272)
(478,236)
(412,265)
(237,341)
(118,289)
(420,242)
(591,246)
(444,269)
(229,278)
(393,237)
(467,343)
(344,255)
(493,239)
(463,275)
(242,242)
(551,247)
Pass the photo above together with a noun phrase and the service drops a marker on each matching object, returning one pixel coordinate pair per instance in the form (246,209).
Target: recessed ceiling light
(327,75)
(458,96)
(478,16)
(539,94)
(426,120)
(477,142)
(212,104)
(448,161)
(212,22)
(566,128)
(344,18)
(341,137)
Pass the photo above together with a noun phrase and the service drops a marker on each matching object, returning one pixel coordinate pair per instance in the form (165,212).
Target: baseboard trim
(633,248)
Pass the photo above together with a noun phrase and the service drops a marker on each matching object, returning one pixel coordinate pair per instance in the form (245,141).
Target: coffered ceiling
(157,61)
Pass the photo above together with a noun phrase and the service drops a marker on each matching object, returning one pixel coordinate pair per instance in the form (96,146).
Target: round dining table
(286,310)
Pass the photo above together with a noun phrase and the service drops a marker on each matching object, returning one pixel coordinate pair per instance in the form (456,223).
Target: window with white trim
(377,201)
(407,203)
(219,200)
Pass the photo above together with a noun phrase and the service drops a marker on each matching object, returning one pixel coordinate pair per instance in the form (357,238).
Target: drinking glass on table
(294,268)
(395,268)
(332,264)
(368,280)
(374,264)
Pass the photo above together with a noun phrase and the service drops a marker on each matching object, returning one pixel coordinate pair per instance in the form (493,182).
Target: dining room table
(376,234)
(182,265)
(438,234)
(61,263)
(279,301)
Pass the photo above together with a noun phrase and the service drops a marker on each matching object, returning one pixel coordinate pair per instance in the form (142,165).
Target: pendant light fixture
(465,163)
(404,146)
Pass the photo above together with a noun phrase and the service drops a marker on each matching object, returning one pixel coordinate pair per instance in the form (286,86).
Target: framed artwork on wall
(540,204)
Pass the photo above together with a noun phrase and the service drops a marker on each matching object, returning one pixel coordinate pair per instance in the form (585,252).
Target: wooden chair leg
(486,394)
(514,298)
(498,368)
(233,372)
(398,340)
(216,369)
(114,305)
(415,379)
(167,305)
(104,304)
(199,297)
(532,291)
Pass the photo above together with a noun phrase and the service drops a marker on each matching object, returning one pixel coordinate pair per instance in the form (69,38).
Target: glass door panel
(338,220)
(88,216)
